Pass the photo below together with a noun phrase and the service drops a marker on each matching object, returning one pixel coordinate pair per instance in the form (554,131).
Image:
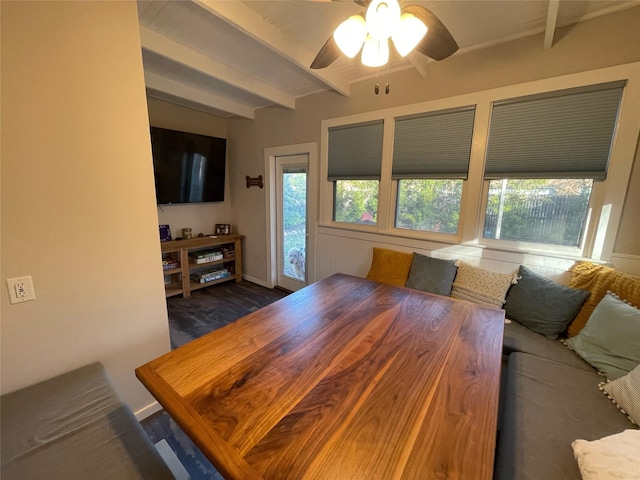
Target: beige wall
(598,43)
(628,238)
(78,201)
(201,218)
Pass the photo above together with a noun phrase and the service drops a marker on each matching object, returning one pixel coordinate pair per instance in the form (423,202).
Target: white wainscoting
(347,251)
(626,263)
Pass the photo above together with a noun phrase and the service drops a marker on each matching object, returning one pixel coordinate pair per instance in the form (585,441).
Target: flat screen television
(188,168)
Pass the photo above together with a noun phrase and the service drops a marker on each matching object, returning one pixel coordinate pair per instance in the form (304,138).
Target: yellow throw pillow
(390,267)
(599,279)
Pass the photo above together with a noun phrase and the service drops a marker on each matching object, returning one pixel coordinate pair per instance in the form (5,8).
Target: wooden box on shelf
(200,262)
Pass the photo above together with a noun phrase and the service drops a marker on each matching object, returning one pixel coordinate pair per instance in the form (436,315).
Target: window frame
(607,197)
(563,250)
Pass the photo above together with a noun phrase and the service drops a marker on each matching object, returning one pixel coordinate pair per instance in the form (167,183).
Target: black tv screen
(188,168)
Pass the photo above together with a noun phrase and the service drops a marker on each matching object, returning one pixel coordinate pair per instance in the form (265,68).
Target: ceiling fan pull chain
(386,87)
(377,87)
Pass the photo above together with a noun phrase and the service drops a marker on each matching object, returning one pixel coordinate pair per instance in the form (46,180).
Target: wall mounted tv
(188,168)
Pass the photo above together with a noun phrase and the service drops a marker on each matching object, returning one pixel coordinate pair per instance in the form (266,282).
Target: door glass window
(294,221)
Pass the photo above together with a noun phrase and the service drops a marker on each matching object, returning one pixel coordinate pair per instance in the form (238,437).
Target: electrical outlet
(21,289)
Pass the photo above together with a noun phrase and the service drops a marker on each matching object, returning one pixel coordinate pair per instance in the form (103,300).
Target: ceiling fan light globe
(383,17)
(350,35)
(408,34)
(375,53)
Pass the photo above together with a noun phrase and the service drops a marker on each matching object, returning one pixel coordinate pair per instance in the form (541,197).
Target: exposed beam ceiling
(231,58)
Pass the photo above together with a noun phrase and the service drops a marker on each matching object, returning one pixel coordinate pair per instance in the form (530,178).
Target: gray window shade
(433,145)
(564,134)
(355,151)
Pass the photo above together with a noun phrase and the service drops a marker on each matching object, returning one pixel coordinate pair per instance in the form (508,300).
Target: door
(291,221)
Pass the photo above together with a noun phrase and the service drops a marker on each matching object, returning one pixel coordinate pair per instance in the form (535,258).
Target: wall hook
(254,182)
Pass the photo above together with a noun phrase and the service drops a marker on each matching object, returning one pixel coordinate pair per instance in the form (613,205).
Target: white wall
(78,201)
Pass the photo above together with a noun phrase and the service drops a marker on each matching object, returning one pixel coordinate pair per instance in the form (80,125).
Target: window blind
(433,145)
(563,134)
(355,151)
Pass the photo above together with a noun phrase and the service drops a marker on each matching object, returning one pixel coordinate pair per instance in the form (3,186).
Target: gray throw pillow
(541,304)
(432,275)
(609,341)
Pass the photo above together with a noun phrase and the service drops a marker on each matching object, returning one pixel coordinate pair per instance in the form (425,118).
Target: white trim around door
(270,155)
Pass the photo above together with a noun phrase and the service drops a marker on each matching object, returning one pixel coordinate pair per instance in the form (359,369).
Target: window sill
(451,244)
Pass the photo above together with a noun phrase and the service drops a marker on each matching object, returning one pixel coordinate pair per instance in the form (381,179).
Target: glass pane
(540,211)
(294,221)
(431,205)
(356,201)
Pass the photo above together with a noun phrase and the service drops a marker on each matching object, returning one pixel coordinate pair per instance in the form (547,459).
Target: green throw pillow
(610,339)
(541,304)
(431,275)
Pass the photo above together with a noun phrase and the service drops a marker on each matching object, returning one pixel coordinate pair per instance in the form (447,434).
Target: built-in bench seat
(75,426)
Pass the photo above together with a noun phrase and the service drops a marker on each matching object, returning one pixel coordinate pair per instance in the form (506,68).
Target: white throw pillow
(616,457)
(625,393)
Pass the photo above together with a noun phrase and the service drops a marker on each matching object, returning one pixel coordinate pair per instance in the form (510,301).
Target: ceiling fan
(409,28)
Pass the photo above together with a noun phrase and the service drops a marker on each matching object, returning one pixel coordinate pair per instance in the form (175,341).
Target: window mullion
(472,208)
(386,201)
(596,227)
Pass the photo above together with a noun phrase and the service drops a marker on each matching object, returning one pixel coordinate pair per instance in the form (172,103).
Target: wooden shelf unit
(179,279)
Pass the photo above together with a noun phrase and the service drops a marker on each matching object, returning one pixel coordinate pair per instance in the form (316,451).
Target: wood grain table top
(344,379)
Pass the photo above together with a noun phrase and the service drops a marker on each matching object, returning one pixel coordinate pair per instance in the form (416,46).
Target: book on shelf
(210,275)
(206,256)
(170,263)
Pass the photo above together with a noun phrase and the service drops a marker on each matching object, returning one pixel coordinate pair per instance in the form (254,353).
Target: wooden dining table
(344,379)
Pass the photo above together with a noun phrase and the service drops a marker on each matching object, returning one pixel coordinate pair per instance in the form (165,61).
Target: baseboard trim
(147,411)
(255,280)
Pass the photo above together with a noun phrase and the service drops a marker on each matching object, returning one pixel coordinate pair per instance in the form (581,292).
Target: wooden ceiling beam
(191,94)
(176,52)
(420,63)
(252,25)
(552,20)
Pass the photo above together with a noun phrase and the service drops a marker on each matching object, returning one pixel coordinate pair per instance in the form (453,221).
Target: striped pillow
(625,393)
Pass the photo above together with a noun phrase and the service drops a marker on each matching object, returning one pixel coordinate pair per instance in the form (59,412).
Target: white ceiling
(229,58)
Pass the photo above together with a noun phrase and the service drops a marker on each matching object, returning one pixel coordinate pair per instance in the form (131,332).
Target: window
(430,161)
(539,168)
(429,205)
(355,156)
(544,152)
(538,211)
(356,201)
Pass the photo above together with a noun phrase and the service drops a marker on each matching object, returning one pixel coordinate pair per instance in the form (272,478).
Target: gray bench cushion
(548,405)
(74,427)
(518,338)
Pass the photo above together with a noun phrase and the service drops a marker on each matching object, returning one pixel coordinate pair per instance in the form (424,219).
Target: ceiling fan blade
(438,43)
(327,54)
(363,3)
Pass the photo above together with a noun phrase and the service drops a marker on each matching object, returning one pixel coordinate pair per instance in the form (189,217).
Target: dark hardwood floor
(190,318)
(214,307)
